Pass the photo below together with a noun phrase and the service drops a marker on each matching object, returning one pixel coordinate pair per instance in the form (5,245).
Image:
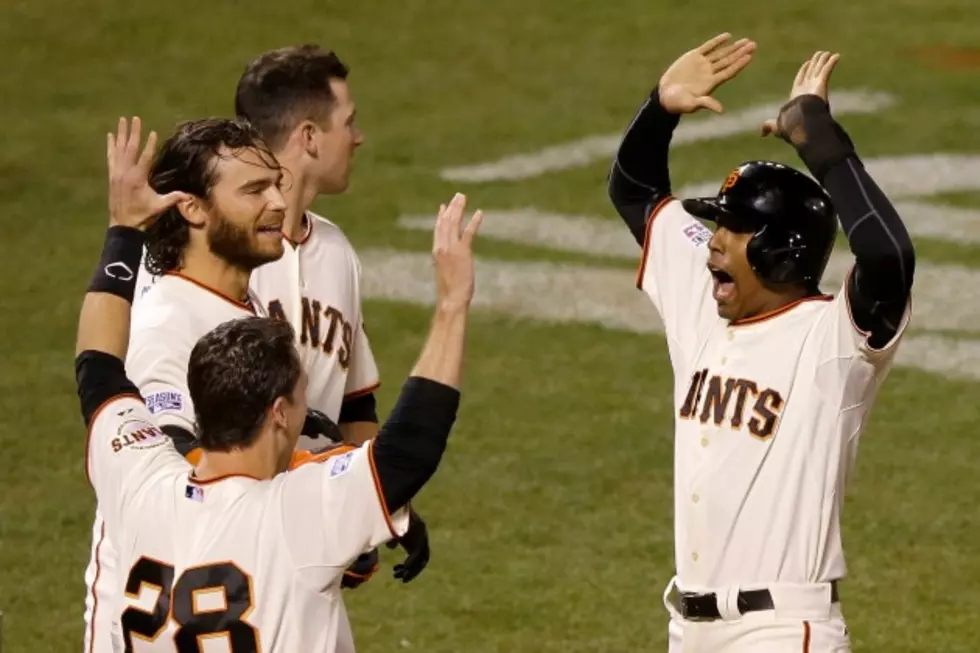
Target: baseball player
(202,253)
(236,548)
(774,380)
(299,101)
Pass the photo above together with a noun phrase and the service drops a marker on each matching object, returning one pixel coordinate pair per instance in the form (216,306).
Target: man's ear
(307,135)
(278,413)
(194,211)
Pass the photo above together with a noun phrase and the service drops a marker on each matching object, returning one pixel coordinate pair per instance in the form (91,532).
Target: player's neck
(299,197)
(216,274)
(257,461)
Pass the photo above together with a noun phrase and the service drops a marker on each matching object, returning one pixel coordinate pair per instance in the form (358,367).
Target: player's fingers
(769,127)
(133,142)
(802,73)
(734,68)
(455,216)
(829,65)
(472,227)
(711,104)
(722,56)
(122,135)
(146,156)
(173,199)
(714,42)
(110,150)
(815,63)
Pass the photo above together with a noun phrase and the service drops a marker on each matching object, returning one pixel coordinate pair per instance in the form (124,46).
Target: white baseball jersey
(232,564)
(170,316)
(768,415)
(316,287)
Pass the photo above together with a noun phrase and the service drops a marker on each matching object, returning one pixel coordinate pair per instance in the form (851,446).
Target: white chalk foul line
(588,150)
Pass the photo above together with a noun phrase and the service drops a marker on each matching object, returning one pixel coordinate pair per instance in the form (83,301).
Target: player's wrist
(118,267)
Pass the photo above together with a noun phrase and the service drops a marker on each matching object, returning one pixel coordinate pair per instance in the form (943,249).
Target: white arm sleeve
(362,375)
(157,365)
(333,509)
(673,273)
(123,447)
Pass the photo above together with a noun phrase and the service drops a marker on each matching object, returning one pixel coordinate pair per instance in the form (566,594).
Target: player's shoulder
(323,230)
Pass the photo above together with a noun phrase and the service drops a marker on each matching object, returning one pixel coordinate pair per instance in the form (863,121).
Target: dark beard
(234,244)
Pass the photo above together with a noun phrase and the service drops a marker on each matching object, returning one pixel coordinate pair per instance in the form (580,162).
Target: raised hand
(452,252)
(132,202)
(689,81)
(813,78)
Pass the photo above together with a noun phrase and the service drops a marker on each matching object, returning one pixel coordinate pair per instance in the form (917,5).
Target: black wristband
(119,266)
(820,141)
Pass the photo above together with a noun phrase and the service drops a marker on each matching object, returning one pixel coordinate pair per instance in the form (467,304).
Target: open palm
(687,85)
(813,78)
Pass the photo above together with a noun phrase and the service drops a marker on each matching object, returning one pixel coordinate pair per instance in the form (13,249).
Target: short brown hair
(235,374)
(282,87)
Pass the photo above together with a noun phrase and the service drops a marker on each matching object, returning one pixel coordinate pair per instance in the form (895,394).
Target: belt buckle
(693,597)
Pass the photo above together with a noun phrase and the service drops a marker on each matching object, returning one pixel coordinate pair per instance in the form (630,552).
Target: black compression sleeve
(640,178)
(99,377)
(359,409)
(411,442)
(884,256)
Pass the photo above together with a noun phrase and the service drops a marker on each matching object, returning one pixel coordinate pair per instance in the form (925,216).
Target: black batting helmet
(789,214)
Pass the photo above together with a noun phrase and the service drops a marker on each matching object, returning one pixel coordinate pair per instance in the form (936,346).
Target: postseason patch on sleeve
(166,401)
(697,233)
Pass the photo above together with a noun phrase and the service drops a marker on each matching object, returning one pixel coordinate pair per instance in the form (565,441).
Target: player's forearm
(103,323)
(441,359)
(875,233)
(640,178)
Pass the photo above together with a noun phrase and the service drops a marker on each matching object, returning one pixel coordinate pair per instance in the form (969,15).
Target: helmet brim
(713,210)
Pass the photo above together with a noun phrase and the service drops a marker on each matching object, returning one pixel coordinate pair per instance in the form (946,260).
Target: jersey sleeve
(673,272)
(333,509)
(843,338)
(123,446)
(362,375)
(157,364)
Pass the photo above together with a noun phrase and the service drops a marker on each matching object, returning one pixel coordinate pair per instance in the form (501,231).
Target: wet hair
(187,162)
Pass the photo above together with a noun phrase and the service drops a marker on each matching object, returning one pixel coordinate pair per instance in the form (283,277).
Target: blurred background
(551,516)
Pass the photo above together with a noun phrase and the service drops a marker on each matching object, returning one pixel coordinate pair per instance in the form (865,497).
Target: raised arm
(639,179)
(412,440)
(881,283)
(103,324)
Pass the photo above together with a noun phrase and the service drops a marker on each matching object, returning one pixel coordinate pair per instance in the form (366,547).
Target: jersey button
(695,498)
(724,359)
(731,334)
(694,556)
(704,442)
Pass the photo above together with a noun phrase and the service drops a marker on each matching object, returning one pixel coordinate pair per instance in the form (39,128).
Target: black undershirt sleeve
(99,377)
(881,284)
(359,409)
(639,178)
(411,442)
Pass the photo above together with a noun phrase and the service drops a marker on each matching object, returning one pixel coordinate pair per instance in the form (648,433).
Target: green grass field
(551,517)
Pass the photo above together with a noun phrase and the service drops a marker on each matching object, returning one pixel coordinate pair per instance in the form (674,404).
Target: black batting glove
(415,541)
(317,425)
(361,570)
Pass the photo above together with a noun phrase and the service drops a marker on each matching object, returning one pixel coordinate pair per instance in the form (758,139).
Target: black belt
(705,606)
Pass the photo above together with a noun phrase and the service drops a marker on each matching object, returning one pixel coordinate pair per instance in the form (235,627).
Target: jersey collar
(755,319)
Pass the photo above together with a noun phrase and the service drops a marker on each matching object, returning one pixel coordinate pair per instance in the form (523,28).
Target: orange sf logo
(732,178)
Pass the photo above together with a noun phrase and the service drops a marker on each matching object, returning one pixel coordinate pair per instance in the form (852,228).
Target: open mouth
(724,284)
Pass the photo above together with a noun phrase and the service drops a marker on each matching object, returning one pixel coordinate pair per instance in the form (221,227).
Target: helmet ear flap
(775,262)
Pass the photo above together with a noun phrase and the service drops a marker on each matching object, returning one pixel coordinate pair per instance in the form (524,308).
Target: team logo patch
(341,464)
(194,493)
(137,434)
(697,233)
(165,401)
